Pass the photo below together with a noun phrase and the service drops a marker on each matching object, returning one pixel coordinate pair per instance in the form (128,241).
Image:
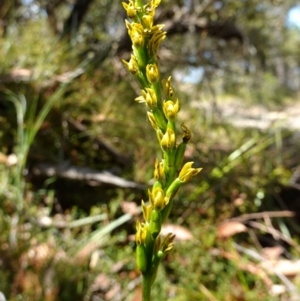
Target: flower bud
(146,211)
(167,87)
(141,258)
(160,254)
(152,120)
(147,22)
(152,73)
(168,140)
(141,233)
(155,223)
(171,109)
(157,198)
(159,171)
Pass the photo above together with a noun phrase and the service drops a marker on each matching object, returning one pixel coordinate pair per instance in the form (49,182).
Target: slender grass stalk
(162,109)
(26,132)
(98,235)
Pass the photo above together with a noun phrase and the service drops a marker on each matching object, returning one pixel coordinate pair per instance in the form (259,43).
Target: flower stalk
(162,109)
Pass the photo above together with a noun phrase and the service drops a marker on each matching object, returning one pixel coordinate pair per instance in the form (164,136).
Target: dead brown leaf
(138,294)
(182,234)
(113,292)
(3,158)
(86,252)
(98,117)
(38,256)
(101,283)
(130,207)
(289,268)
(28,282)
(230,228)
(272,252)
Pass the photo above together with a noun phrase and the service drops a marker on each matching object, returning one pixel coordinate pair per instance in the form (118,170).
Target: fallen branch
(91,176)
(259,215)
(27,75)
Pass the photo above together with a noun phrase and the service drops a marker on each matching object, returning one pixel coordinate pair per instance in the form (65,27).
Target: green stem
(139,3)
(166,211)
(146,287)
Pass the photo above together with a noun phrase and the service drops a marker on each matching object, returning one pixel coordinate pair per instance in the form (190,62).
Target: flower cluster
(162,109)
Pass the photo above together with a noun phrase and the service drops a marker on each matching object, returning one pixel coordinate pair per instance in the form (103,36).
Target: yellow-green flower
(149,97)
(187,172)
(168,244)
(130,9)
(136,33)
(152,120)
(151,6)
(159,171)
(167,87)
(168,140)
(152,73)
(132,65)
(157,198)
(171,109)
(146,211)
(141,233)
(157,37)
(147,22)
